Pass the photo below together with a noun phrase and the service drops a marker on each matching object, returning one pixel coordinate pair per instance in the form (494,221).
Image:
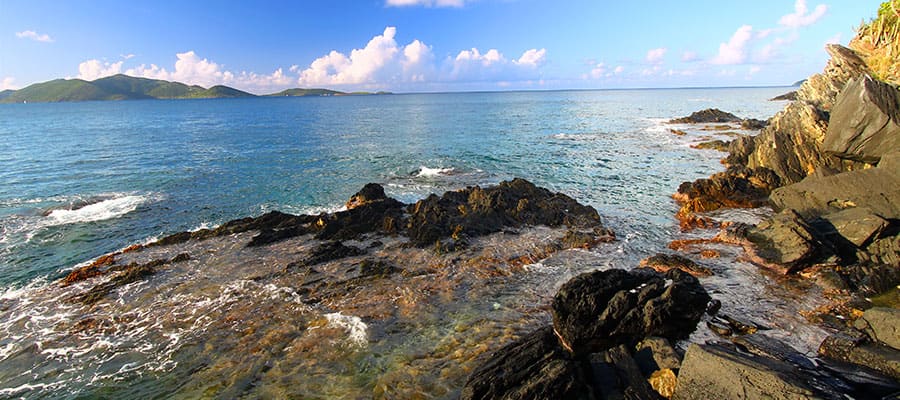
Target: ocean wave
(356,329)
(97,211)
(426,172)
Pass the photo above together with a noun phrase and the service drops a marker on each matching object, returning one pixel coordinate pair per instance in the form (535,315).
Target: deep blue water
(149,168)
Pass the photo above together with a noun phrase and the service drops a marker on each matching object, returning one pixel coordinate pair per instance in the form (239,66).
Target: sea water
(80,180)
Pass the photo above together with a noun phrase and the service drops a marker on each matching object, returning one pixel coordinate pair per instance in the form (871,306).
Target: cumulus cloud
(426,3)
(34,36)
(8,83)
(801,16)
(655,56)
(532,58)
(96,69)
(735,51)
(378,62)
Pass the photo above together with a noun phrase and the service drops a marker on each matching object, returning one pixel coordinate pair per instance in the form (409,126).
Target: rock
(663,382)
(719,145)
(629,379)
(789,96)
(707,116)
(753,124)
(877,189)
(129,274)
(865,121)
(737,187)
(369,193)
(477,211)
(664,262)
(881,324)
(852,347)
(328,251)
(533,367)
(584,240)
(870,280)
(656,353)
(822,89)
(858,225)
(885,250)
(598,310)
(678,132)
(787,240)
(718,372)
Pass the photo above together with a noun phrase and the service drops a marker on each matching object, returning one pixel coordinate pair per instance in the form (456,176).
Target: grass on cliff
(879,42)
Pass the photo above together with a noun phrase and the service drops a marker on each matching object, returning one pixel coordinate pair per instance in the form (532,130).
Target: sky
(426,45)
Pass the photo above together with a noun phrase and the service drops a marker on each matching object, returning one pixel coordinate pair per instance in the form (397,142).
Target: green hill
(117,87)
(296,92)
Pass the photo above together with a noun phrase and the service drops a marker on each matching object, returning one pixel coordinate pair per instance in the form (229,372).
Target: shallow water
(227,324)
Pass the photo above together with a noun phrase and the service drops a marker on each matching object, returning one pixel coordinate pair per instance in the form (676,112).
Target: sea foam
(103,210)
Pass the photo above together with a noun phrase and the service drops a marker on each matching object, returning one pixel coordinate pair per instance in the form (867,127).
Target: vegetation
(878,42)
(117,87)
(306,92)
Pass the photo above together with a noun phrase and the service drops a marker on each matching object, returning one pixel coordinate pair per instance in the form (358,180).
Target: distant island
(124,87)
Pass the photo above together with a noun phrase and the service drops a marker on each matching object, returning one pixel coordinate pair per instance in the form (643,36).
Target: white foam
(354,325)
(106,209)
(426,172)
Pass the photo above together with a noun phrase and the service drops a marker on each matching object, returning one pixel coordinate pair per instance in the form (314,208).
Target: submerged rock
(665,262)
(596,311)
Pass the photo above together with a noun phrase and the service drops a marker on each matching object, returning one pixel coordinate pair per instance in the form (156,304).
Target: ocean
(80,180)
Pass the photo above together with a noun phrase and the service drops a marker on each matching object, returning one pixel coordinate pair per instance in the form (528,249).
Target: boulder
(615,373)
(753,124)
(881,324)
(737,187)
(598,310)
(719,372)
(656,353)
(787,240)
(871,279)
(664,262)
(369,193)
(533,367)
(709,115)
(865,121)
(854,348)
(857,225)
(371,212)
(789,96)
(719,145)
(877,189)
(476,211)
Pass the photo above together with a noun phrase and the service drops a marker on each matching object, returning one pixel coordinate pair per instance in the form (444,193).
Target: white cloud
(689,56)
(376,63)
(801,18)
(126,56)
(7,83)
(599,71)
(532,58)
(619,70)
(655,56)
(34,36)
(426,3)
(96,69)
(735,51)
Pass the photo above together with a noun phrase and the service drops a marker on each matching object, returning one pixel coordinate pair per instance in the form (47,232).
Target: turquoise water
(151,168)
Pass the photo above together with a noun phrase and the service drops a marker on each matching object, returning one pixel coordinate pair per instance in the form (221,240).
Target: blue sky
(426,45)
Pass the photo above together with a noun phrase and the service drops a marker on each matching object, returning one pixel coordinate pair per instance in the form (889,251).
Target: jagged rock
(328,251)
(790,96)
(857,225)
(382,215)
(128,274)
(664,262)
(822,89)
(719,372)
(787,240)
(753,124)
(614,371)
(477,211)
(719,145)
(881,324)
(853,347)
(656,353)
(885,250)
(707,116)
(533,367)
(865,121)
(369,193)
(870,280)
(737,187)
(878,189)
(598,310)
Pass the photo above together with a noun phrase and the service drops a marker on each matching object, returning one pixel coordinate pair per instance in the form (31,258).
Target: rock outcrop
(707,116)
(865,121)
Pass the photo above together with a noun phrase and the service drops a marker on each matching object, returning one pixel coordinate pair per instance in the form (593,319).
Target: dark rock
(533,367)
(656,353)
(477,211)
(707,116)
(865,383)
(664,262)
(629,379)
(713,307)
(882,325)
(328,251)
(865,121)
(129,274)
(719,372)
(719,145)
(737,187)
(383,216)
(369,193)
(765,346)
(877,189)
(857,225)
(376,268)
(885,250)
(789,96)
(598,310)
(853,347)
(870,280)
(787,240)
(753,124)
